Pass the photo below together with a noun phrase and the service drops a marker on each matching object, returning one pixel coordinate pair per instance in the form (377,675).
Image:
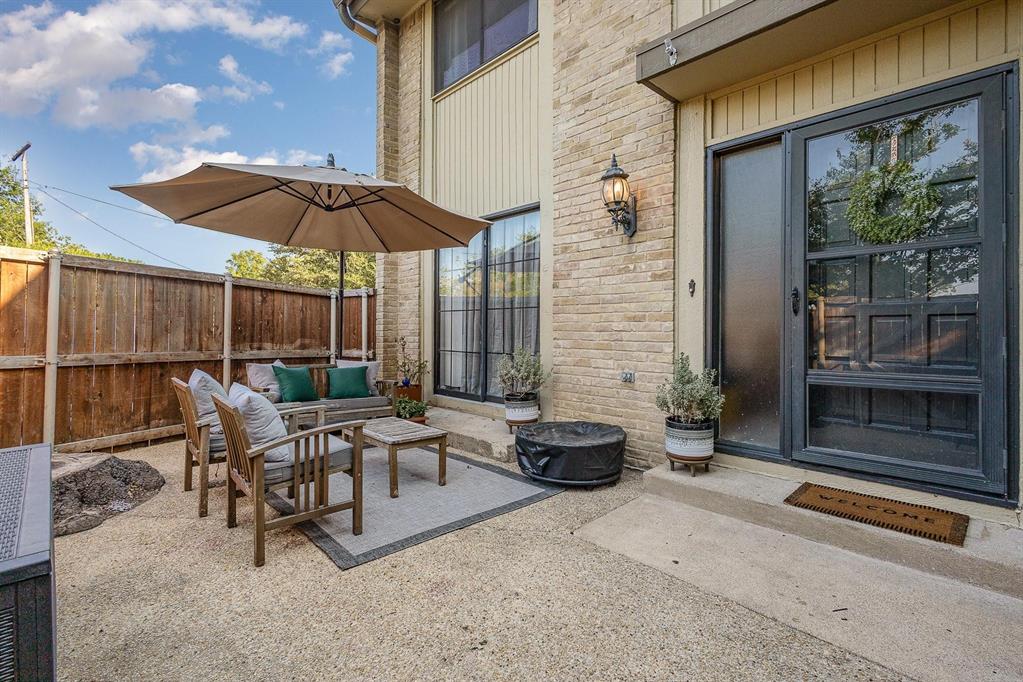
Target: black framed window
(469,33)
(487,305)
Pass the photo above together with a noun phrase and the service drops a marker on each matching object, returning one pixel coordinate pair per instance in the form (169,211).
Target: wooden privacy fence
(88,346)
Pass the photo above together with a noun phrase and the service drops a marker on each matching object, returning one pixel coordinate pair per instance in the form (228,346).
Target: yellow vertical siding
(486,138)
(971,38)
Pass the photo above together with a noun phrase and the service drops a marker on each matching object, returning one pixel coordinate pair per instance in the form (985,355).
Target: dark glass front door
(898,315)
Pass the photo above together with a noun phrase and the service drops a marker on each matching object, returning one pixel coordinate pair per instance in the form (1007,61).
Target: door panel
(750,260)
(898,351)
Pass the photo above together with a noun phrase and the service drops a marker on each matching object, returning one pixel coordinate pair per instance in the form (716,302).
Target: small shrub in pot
(521,375)
(413,410)
(692,402)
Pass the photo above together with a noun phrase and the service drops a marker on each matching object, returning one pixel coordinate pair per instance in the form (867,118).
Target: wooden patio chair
(198,449)
(306,476)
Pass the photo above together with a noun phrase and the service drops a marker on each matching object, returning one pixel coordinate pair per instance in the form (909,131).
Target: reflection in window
(469,33)
(901,311)
(927,427)
(488,304)
(938,147)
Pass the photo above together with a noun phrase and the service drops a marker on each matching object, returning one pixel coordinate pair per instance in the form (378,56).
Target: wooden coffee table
(399,434)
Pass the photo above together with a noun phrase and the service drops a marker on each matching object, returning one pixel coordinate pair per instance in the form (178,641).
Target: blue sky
(125,91)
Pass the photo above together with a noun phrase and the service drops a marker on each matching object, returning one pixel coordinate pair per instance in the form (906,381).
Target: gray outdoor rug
(475,491)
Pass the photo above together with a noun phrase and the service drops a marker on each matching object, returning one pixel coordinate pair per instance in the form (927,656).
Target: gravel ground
(159,594)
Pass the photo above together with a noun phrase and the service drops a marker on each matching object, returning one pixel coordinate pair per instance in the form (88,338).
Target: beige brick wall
(613,297)
(399,123)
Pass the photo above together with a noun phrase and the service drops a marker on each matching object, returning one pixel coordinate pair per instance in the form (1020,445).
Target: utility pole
(23,155)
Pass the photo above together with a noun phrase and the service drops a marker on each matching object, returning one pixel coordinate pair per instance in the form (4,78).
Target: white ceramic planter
(689,442)
(522,410)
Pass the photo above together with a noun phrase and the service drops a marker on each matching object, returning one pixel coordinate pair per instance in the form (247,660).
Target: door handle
(795,300)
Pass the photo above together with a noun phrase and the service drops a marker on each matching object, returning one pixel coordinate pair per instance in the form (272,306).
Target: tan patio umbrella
(313,207)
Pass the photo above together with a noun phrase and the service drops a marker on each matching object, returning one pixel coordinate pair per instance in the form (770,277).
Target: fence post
(364,303)
(52,336)
(228,289)
(333,325)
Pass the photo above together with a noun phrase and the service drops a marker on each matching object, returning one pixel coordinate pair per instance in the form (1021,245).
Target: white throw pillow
(262,422)
(203,388)
(372,369)
(262,376)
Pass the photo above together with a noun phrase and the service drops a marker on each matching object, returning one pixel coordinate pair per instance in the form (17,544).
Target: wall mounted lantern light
(618,198)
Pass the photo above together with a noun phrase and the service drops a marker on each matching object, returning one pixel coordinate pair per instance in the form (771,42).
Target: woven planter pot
(688,442)
(521,409)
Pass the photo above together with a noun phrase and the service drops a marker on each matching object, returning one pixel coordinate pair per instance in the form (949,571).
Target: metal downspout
(354,25)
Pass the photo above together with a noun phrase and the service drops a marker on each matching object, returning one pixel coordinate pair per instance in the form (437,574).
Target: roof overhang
(746,38)
(372,11)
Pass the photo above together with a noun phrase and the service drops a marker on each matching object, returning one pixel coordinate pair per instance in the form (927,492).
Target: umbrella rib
(430,225)
(233,201)
(308,205)
(366,220)
(295,194)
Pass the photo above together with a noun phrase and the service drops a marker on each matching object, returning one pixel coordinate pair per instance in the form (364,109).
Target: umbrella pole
(341,302)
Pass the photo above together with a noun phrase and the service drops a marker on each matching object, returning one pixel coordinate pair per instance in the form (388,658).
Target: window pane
(750,305)
(512,269)
(460,317)
(938,150)
(914,426)
(914,311)
(457,40)
(505,23)
(514,284)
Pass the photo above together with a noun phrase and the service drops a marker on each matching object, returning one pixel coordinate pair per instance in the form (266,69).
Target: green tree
(247,263)
(45,236)
(305,267)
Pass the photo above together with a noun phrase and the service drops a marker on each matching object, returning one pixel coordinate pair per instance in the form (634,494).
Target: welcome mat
(423,510)
(914,519)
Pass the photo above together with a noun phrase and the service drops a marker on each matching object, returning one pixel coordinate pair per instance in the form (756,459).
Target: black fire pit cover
(571,453)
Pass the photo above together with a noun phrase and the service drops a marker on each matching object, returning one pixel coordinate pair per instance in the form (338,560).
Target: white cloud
(192,133)
(167,161)
(279,105)
(242,87)
(83,106)
(77,58)
(299,157)
(337,65)
(331,41)
(336,48)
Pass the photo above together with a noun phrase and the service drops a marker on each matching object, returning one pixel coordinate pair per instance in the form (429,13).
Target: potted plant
(692,402)
(412,410)
(410,374)
(521,375)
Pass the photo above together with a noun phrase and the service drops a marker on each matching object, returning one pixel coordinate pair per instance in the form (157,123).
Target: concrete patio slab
(159,594)
(924,626)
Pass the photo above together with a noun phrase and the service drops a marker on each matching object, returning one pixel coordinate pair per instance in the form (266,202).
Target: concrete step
(991,558)
(475,434)
(921,625)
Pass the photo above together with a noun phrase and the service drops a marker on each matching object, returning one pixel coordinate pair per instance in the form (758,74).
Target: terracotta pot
(418,420)
(414,392)
(688,442)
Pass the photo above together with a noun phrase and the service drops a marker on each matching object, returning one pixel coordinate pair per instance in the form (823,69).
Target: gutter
(344,11)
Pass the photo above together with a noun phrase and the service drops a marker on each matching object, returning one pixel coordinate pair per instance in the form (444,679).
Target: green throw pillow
(296,384)
(347,382)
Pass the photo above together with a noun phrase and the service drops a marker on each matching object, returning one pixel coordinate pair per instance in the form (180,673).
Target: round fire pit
(571,453)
